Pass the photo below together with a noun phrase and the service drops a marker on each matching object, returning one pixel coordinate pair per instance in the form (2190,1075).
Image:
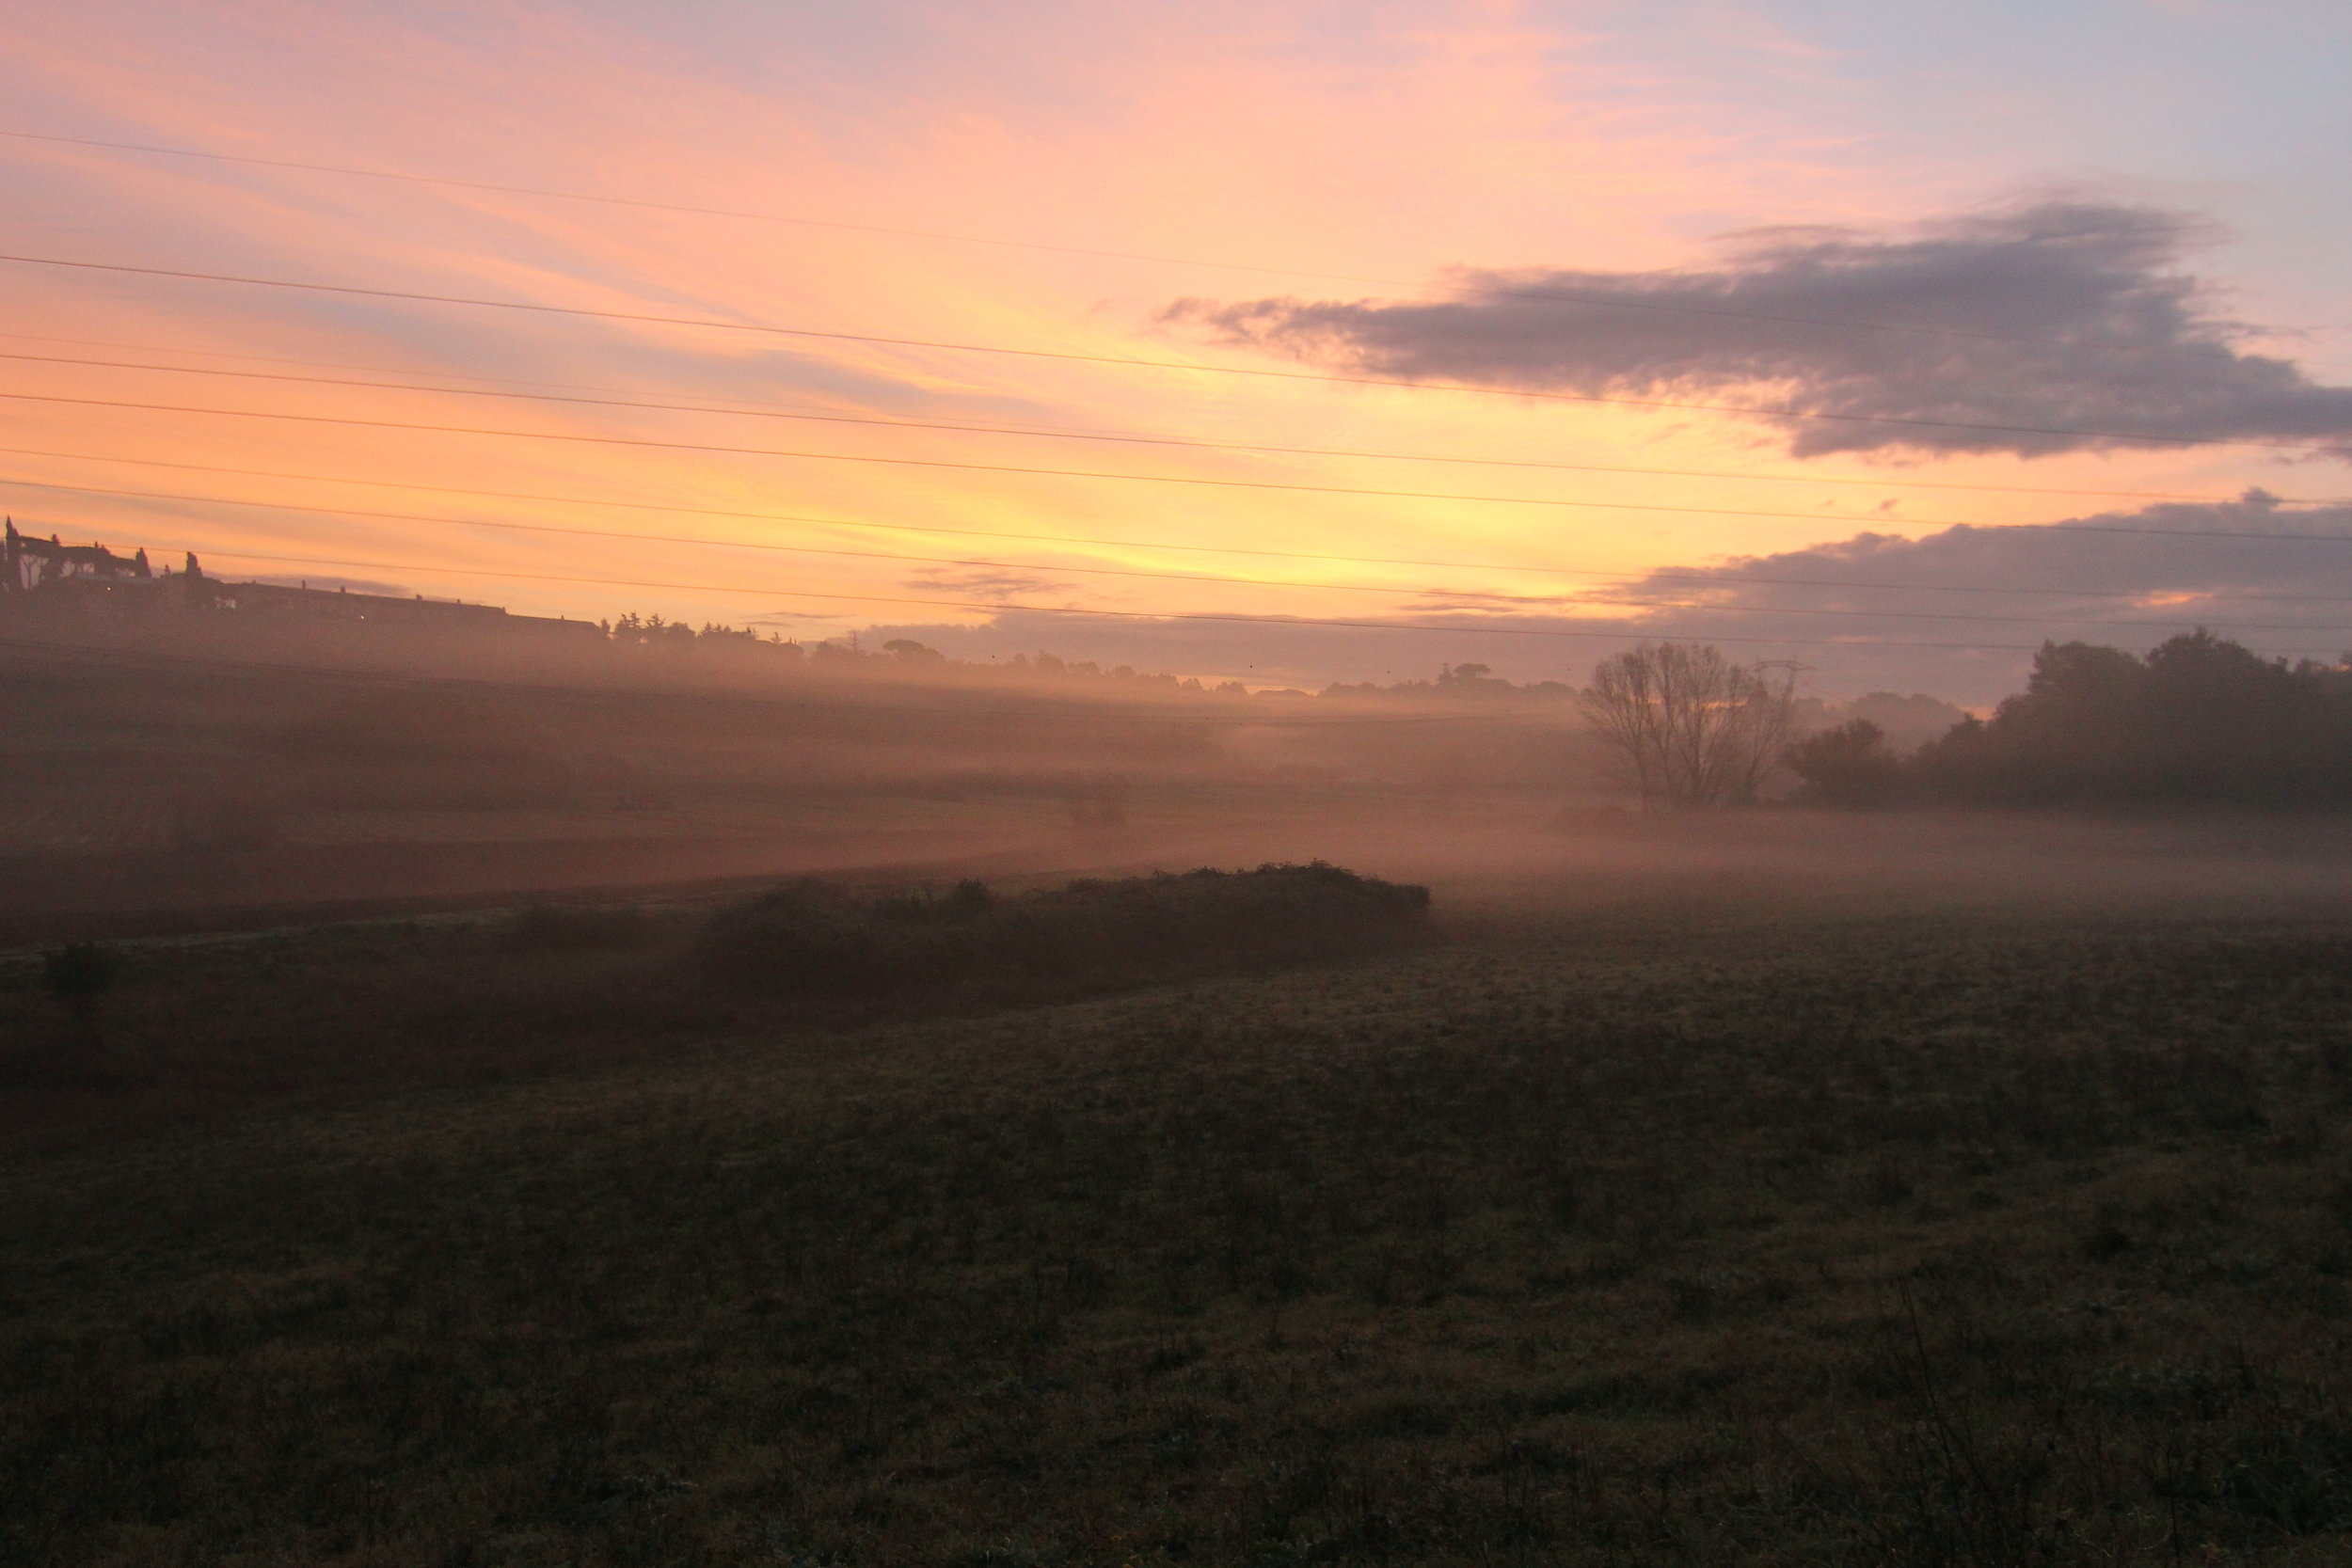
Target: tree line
(2199,720)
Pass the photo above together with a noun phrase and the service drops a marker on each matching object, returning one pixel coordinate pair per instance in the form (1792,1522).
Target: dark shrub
(78,974)
(1850,766)
(812,938)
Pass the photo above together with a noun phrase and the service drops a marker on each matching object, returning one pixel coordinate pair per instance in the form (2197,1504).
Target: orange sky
(1420,138)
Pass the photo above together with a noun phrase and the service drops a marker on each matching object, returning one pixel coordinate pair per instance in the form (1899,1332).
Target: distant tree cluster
(1053,668)
(899,655)
(905,655)
(2199,720)
(1456,681)
(1908,722)
(652,631)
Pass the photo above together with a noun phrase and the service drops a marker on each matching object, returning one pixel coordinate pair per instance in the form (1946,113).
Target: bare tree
(1697,729)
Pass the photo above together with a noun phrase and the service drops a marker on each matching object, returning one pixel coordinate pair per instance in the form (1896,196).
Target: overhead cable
(1057,539)
(1311,623)
(644,442)
(1073,357)
(916,425)
(1879,481)
(1555,296)
(1562,600)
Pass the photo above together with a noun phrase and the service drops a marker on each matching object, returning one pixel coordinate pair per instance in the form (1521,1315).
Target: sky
(1888,342)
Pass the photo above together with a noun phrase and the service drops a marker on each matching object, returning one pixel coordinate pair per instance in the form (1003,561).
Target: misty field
(1658,1231)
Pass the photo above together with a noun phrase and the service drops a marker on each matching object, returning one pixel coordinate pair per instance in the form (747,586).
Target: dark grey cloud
(1957,613)
(2249,565)
(2278,580)
(2057,317)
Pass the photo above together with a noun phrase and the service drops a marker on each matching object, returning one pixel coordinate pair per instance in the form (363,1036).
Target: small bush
(78,973)
(813,937)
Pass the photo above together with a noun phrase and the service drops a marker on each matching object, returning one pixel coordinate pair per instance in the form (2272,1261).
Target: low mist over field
(177,774)
(1130,786)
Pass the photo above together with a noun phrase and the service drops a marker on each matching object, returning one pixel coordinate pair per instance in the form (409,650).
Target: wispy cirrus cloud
(985,584)
(2052,327)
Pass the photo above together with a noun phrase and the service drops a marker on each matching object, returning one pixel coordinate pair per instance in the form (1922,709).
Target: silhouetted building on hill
(36,564)
(48,576)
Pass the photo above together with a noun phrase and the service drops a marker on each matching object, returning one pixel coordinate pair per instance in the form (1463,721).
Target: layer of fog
(261,781)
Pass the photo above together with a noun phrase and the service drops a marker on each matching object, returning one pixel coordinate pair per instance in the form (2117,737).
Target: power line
(1872,482)
(1188,577)
(294,359)
(937,463)
(1066,355)
(1000,608)
(770,411)
(1555,296)
(841,457)
(891,461)
(724,544)
(904,462)
(987,429)
(1540,568)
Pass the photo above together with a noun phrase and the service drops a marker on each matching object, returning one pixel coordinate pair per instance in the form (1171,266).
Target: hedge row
(814,937)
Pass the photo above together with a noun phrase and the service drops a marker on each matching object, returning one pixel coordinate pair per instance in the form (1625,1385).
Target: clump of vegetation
(2201,721)
(813,937)
(1850,766)
(79,975)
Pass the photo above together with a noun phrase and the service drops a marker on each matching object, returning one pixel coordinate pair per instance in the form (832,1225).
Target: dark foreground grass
(1649,1238)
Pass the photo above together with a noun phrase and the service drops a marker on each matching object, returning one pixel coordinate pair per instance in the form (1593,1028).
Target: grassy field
(1659,1231)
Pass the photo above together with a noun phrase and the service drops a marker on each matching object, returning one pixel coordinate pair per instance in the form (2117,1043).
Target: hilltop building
(50,578)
